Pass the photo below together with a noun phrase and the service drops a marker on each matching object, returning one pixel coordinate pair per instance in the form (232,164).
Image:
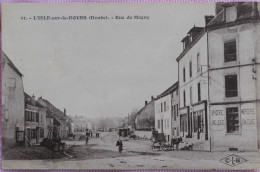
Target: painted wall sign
(248,122)
(217,112)
(248,111)
(217,122)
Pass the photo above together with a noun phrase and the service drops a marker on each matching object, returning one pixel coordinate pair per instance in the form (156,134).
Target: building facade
(193,89)
(145,117)
(12,104)
(35,121)
(234,73)
(166,113)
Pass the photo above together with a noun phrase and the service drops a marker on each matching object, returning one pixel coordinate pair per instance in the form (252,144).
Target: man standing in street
(120,145)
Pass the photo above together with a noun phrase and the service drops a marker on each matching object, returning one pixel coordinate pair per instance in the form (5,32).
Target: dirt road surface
(101,153)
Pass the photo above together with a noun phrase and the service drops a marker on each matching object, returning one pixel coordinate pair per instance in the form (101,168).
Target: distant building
(234,75)
(81,124)
(166,113)
(12,104)
(145,116)
(35,120)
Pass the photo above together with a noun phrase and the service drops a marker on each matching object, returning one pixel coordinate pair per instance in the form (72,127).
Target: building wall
(12,105)
(175,112)
(145,117)
(163,122)
(247,43)
(194,120)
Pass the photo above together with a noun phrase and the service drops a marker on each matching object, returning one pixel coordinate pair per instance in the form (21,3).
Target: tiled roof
(169,90)
(28,100)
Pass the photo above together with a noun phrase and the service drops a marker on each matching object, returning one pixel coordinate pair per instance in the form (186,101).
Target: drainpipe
(209,117)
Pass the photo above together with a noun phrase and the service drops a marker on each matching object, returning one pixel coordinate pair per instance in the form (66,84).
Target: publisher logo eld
(233,160)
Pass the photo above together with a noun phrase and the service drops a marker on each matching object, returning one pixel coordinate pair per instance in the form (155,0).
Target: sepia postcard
(130,86)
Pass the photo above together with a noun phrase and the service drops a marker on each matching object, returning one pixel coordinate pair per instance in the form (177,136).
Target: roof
(10,63)
(149,103)
(191,45)
(244,12)
(168,90)
(199,29)
(28,98)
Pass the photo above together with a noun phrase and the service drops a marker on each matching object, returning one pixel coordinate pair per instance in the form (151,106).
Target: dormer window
(231,13)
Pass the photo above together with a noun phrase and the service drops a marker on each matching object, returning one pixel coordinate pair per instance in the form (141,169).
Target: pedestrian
(91,134)
(86,139)
(119,143)
(73,136)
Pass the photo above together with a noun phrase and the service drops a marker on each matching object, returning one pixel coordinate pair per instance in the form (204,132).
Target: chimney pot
(145,103)
(208,19)
(33,100)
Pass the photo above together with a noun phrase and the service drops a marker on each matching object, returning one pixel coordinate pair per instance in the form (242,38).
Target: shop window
(231,86)
(198,122)
(232,120)
(230,51)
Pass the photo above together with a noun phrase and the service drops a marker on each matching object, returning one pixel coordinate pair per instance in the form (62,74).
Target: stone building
(193,86)
(12,104)
(145,117)
(35,120)
(218,80)
(166,113)
(234,74)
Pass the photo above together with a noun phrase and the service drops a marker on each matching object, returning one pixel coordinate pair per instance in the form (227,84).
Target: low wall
(144,134)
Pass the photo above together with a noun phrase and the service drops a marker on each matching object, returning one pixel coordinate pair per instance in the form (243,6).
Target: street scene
(102,153)
(88,87)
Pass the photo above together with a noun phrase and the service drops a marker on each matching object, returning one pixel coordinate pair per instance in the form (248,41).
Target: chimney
(145,103)
(152,98)
(208,19)
(33,100)
(64,111)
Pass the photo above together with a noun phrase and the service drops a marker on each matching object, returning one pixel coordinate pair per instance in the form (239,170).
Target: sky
(99,68)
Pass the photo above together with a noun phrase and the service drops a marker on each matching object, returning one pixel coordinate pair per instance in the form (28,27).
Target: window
(231,85)
(230,51)
(231,13)
(37,117)
(41,133)
(158,123)
(174,113)
(232,120)
(190,65)
(183,74)
(161,107)
(190,95)
(164,106)
(199,96)
(184,99)
(198,62)
(177,110)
